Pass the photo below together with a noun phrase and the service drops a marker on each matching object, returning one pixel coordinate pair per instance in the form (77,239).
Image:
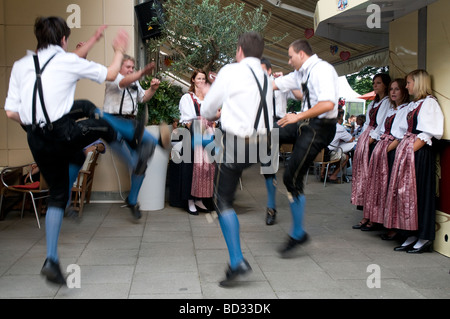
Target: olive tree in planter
(162,108)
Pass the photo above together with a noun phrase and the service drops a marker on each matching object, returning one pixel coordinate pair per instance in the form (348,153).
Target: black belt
(126,116)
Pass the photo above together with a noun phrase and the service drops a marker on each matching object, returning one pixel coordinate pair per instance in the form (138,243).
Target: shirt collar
(50,50)
(306,67)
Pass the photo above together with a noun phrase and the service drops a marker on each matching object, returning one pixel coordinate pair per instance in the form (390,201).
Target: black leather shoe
(291,244)
(404,248)
(202,210)
(427,247)
(231,275)
(135,210)
(52,271)
(271,215)
(192,212)
(145,151)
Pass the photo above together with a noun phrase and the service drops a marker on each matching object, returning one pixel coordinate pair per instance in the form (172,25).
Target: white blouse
(430,120)
(385,105)
(398,125)
(187,108)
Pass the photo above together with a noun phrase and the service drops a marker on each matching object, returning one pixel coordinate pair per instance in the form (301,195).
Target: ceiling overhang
(361,21)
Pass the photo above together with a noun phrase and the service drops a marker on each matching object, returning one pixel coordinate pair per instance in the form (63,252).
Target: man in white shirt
(41,98)
(317,125)
(236,91)
(121,100)
(342,144)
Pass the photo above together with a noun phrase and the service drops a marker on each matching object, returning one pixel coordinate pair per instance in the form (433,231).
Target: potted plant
(163,109)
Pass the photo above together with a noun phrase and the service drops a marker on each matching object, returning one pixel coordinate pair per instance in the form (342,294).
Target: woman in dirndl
(410,205)
(375,115)
(198,177)
(383,155)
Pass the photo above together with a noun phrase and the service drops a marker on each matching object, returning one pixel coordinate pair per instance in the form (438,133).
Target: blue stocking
(229,224)
(136,183)
(124,127)
(297,205)
(271,190)
(73,175)
(53,221)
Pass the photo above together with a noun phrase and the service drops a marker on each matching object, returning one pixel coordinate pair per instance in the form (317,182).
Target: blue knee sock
(136,183)
(271,190)
(53,221)
(124,127)
(229,224)
(297,205)
(73,175)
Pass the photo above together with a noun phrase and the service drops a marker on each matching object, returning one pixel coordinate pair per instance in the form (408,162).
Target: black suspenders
(262,103)
(38,88)
(121,102)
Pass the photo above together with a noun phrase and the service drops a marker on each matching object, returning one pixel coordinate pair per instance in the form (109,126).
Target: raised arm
(120,45)
(135,76)
(83,48)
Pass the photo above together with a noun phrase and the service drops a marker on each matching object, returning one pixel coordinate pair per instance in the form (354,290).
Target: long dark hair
(386,79)
(50,31)
(402,85)
(194,74)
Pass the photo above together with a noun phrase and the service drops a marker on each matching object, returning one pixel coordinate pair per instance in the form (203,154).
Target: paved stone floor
(169,254)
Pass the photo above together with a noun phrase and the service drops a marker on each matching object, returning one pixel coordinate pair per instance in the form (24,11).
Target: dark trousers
(54,149)
(229,171)
(312,137)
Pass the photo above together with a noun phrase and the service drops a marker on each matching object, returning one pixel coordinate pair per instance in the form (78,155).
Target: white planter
(152,193)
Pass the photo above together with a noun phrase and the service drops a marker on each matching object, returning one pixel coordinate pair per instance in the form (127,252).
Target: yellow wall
(403,49)
(438,56)
(16,36)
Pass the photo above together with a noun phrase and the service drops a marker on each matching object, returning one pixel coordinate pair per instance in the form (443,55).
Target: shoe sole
(164,133)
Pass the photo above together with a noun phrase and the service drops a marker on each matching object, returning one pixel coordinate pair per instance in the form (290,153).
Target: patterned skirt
(378,175)
(401,204)
(360,168)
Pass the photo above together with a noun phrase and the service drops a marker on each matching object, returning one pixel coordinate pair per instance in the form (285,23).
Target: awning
(361,21)
(368,96)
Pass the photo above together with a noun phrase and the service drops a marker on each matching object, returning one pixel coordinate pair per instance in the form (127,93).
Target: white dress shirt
(322,84)
(236,91)
(341,139)
(114,93)
(59,81)
(430,120)
(280,99)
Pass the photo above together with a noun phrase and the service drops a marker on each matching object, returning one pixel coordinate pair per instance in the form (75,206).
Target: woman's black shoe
(202,210)
(360,224)
(192,212)
(404,248)
(427,247)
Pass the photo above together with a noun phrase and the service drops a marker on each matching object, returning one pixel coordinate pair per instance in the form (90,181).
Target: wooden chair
(81,190)
(36,189)
(320,163)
